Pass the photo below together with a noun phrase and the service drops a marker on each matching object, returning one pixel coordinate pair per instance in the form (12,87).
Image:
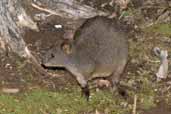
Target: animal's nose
(52,55)
(42,63)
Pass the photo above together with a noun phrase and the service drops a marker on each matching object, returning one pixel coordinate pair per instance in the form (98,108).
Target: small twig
(44,9)
(152,61)
(168,88)
(37,65)
(10,90)
(135,105)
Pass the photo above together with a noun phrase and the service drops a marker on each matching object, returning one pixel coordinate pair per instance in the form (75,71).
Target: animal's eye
(52,55)
(67,48)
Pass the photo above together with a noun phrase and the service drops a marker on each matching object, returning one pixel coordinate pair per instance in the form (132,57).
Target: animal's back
(104,43)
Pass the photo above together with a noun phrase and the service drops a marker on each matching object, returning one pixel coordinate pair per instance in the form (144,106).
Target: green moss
(146,102)
(164,29)
(62,102)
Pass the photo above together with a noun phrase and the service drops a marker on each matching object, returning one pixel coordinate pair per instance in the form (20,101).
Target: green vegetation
(63,102)
(68,101)
(164,29)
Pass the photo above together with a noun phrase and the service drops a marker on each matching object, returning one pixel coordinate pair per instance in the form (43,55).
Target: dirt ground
(18,73)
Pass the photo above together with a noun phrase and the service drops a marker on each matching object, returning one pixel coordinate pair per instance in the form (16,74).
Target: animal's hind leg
(114,79)
(118,72)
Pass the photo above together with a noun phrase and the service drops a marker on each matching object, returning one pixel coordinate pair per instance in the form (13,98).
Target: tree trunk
(12,20)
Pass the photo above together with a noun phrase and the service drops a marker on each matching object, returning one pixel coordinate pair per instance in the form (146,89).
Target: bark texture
(12,20)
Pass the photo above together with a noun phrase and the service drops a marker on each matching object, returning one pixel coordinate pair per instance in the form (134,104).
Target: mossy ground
(68,101)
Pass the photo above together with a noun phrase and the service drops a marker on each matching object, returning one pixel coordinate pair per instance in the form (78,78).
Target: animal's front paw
(86,92)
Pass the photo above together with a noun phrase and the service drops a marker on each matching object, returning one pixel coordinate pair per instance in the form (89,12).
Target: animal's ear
(66,47)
